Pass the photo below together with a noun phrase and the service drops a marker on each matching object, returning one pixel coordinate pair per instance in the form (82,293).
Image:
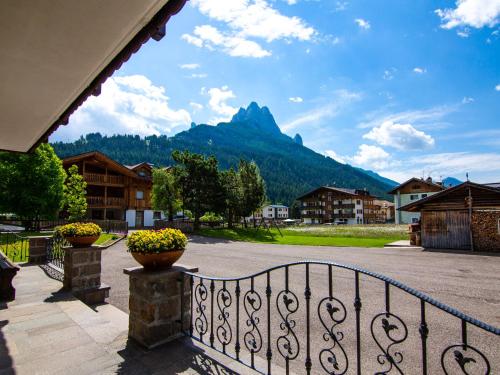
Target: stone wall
(38,249)
(82,274)
(155,304)
(485,229)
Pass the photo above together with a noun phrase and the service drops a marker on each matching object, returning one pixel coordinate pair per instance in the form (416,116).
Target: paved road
(470,283)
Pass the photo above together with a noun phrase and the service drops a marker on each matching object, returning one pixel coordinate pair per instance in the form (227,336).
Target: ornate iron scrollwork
(288,345)
(253,338)
(331,313)
(396,332)
(465,358)
(201,321)
(224,301)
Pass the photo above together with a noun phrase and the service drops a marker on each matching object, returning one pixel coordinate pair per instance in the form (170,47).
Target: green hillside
(288,168)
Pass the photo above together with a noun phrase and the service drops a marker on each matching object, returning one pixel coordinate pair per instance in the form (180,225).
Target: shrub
(156,241)
(78,230)
(210,217)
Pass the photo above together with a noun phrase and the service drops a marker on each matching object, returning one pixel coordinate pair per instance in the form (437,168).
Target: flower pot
(158,260)
(81,241)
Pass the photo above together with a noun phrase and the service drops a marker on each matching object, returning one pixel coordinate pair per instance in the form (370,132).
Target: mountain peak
(260,117)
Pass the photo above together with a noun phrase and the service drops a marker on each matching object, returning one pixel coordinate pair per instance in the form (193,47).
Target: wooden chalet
(116,191)
(328,204)
(465,217)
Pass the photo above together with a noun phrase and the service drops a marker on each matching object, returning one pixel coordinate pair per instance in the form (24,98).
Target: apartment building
(328,204)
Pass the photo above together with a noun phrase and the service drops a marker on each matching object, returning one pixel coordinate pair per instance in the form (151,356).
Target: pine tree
(75,195)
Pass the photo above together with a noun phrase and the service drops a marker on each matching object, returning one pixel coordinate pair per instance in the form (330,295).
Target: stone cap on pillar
(175,268)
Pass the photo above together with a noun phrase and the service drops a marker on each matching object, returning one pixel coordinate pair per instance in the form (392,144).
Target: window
(156,215)
(139,194)
(413,197)
(414,220)
(358,201)
(142,173)
(424,195)
(270,209)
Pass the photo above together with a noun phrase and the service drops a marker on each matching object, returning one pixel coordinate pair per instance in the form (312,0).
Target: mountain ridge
(289,168)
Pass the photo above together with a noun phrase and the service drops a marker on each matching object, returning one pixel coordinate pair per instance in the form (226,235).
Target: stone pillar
(82,274)
(38,249)
(155,304)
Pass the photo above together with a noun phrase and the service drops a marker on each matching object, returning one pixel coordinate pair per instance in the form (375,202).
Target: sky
(401,87)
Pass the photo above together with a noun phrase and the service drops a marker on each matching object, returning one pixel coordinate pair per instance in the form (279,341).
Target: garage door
(445,230)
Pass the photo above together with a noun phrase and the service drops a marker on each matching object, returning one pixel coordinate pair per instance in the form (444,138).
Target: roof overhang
(55,54)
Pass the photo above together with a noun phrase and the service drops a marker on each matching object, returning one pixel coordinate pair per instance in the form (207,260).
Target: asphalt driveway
(467,282)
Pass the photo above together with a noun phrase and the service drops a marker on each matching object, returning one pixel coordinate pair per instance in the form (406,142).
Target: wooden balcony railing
(103,179)
(142,204)
(108,202)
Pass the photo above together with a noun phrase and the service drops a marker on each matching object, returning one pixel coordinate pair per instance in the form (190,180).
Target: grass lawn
(16,247)
(348,235)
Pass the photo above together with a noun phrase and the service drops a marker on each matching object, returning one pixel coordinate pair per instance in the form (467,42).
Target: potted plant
(155,249)
(79,234)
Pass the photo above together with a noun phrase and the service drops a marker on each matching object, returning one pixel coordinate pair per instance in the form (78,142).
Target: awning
(54,54)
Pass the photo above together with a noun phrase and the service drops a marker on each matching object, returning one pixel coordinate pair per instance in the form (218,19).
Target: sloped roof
(442,195)
(414,179)
(336,189)
(53,57)
(96,155)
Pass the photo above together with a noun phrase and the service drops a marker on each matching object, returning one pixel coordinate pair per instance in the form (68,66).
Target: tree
(75,194)
(165,193)
(31,185)
(199,183)
(253,188)
(232,194)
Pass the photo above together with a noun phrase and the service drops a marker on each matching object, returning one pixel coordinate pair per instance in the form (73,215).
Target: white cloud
(467,100)
(210,37)
(340,6)
(198,75)
(217,102)
(127,105)
(291,2)
(189,66)
(400,136)
(255,18)
(419,70)
(463,33)
(389,74)
(192,40)
(473,13)
(328,110)
(332,154)
(296,99)
(364,24)
(497,87)
(196,106)
(422,118)
(372,157)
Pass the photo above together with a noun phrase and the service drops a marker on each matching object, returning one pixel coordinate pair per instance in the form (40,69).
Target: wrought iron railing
(260,321)
(55,253)
(14,246)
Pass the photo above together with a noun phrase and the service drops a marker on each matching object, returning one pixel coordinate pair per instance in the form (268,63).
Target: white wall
(130,218)
(148,218)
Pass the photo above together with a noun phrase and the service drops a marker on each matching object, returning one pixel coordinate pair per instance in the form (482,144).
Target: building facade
(116,191)
(384,211)
(337,205)
(464,217)
(275,211)
(411,191)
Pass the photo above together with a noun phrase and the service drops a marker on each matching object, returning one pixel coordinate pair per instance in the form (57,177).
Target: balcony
(105,202)
(98,178)
(344,216)
(349,206)
(142,204)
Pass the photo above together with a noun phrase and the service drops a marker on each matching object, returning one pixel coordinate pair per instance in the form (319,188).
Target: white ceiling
(50,51)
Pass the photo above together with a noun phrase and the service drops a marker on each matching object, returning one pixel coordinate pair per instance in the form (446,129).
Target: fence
(261,321)
(14,246)
(108,226)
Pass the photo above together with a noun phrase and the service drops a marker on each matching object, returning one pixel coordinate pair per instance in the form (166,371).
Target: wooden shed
(465,217)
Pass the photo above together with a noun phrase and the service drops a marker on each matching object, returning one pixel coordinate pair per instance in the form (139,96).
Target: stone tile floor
(47,331)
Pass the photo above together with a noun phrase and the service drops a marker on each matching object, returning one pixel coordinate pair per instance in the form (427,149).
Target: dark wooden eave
(414,179)
(454,198)
(155,29)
